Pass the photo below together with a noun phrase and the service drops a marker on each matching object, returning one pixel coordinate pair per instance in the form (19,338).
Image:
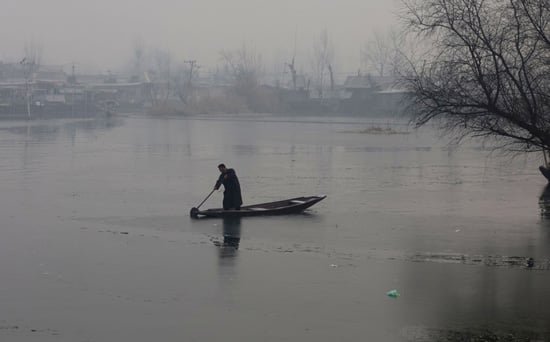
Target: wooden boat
(284,207)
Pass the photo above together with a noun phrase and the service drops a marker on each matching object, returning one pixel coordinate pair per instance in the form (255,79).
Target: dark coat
(232,189)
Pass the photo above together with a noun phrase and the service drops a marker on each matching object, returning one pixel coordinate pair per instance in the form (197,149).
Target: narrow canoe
(284,207)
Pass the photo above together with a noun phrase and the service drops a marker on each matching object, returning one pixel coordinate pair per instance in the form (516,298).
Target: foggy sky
(101,33)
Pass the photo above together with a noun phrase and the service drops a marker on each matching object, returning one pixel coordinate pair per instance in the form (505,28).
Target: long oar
(195,210)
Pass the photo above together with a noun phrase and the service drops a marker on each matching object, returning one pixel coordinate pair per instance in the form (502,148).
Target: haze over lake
(101,35)
(96,242)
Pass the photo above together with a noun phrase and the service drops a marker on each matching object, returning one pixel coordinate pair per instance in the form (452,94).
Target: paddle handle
(211,192)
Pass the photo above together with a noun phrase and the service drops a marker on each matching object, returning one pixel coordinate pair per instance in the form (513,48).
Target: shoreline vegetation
(376,130)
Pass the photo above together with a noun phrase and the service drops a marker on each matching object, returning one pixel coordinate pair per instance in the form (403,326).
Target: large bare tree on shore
(487,73)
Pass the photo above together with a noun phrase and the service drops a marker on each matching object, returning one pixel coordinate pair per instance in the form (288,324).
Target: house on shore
(373,96)
(49,91)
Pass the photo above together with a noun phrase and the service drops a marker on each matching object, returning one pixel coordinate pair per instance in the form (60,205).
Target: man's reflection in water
(231,237)
(544,202)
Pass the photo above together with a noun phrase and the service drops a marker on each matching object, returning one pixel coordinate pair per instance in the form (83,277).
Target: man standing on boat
(232,189)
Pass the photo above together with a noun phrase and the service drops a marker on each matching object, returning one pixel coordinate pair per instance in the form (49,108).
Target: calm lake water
(96,243)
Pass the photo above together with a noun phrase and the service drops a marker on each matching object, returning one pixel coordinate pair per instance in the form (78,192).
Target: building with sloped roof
(373,96)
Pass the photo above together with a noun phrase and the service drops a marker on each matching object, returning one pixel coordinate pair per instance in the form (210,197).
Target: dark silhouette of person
(232,198)
(232,231)
(544,202)
(231,239)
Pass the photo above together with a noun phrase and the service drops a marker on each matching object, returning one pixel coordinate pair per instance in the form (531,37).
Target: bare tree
(246,71)
(184,80)
(292,67)
(139,51)
(159,77)
(382,53)
(488,73)
(33,55)
(322,60)
(245,67)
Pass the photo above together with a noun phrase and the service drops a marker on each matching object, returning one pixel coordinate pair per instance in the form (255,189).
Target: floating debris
(392,293)
(377,130)
(482,260)
(472,334)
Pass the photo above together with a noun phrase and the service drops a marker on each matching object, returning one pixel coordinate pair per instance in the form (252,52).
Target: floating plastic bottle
(393,293)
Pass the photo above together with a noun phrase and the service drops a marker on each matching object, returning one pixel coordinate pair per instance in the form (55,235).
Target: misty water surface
(96,243)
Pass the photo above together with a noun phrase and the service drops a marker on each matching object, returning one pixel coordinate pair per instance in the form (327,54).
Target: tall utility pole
(293,72)
(73,81)
(27,69)
(28,97)
(191,69)
(331,77)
